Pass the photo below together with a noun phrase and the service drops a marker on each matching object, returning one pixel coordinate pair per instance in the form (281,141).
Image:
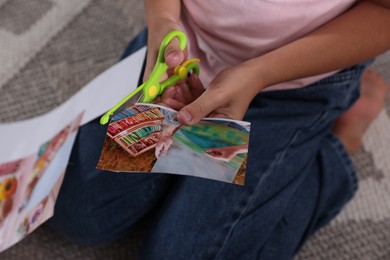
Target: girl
(291,68)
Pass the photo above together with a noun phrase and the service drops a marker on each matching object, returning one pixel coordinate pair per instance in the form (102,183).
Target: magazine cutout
(149,138)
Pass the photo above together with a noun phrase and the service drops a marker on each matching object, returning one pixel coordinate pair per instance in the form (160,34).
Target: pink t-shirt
(223,33)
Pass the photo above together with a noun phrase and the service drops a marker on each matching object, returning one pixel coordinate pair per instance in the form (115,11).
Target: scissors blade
(135,99)
(130,99)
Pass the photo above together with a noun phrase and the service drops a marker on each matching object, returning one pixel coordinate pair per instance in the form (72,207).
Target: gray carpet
(49,49)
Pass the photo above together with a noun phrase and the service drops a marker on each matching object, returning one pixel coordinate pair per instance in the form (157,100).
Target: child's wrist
(254,73)
(162,25)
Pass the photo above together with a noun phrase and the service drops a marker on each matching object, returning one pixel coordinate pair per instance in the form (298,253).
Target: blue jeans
(298,178)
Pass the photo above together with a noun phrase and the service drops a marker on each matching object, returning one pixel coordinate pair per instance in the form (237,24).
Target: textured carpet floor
(50,48)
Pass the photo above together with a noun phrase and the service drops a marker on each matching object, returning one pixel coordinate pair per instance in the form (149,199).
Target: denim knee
(79,222)
(106,206)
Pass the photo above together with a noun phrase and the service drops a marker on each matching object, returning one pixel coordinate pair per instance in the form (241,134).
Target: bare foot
(351,126)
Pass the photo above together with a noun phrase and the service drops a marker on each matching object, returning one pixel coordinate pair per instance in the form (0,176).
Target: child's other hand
(227,96)
(185,92)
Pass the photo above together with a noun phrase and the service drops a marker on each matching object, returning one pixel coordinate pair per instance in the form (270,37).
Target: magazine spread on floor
(149,138)
(34,153)
(29,186)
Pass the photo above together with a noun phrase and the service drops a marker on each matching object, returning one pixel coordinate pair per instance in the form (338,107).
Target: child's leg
(298,177)
(351,126)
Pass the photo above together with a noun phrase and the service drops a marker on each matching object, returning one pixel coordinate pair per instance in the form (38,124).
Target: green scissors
(152,88)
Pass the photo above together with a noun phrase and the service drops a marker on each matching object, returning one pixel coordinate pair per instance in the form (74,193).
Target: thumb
(194,112)
(173,55)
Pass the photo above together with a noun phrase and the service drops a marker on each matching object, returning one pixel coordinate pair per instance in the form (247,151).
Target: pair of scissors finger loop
(152,87)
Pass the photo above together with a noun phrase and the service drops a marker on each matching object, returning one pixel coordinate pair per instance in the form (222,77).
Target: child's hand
(185,92)
(228,95)
(173,56)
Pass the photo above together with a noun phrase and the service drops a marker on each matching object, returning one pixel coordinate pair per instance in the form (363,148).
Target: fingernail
(185,116)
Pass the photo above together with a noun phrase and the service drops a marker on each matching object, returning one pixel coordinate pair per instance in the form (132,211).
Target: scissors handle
(152,86)
(167,39)
(180,73)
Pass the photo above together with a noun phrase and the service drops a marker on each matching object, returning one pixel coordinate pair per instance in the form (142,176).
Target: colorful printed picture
(29,186)
(148,138)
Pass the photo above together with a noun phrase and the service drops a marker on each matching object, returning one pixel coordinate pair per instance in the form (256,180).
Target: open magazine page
(148,138)
(29,186)
(35,152)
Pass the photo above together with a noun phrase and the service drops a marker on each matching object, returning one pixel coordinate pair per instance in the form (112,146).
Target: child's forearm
(353,37)
(162,11)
